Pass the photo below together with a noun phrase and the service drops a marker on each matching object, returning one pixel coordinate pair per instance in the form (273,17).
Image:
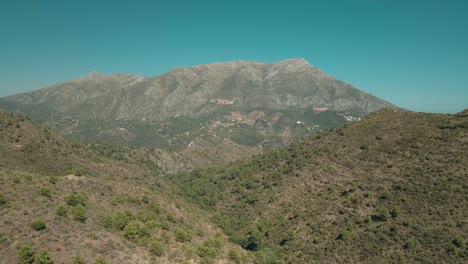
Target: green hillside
(392,188)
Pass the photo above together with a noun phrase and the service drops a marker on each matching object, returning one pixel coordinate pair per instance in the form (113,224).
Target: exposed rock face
(94,103)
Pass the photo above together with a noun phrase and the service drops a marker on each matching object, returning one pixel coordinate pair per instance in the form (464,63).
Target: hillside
(71,202)
(392,188)
(240,103)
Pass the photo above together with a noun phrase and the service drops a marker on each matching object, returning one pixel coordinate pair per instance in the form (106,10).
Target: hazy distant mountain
(243,102)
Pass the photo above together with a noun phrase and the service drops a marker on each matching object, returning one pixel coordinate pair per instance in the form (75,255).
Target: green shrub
(145,199)
(395,212)
(135,230)
(205,251)
(77,199)
(151,224)
(235,256)
(2,199)
(38,225)
(156,248)
(119,220)
(410,244)
(108,221)
(255,240)
(44,191)
(101,260)
(459,242)
(183,235)
(79,213)
(61,211)
(26,254)
(53,179)
(344,235)
(79,260)
(381,215)
(43,257)
(260,258)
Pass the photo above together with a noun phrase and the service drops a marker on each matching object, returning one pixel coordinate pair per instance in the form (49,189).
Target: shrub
(61,211)
(156,248)
(151,224)
(235,256)
(77,198)
(38,225)
(381,215)
(79,213)
(2,199)
(183,235)
(119,220)
(44,191)
(145,199)
(260,257)
(206,251)
(459,242)
(26,254)
(43,257)
(410,244)
(255,240)
(344,235)
(53,179)
(108,221)
(79,260)
(16,180)
(135,230)
(101,260)
(395,212)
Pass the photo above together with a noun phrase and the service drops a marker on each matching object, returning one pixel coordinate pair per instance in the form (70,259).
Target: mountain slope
(392,188)
(248,103)
(94,202)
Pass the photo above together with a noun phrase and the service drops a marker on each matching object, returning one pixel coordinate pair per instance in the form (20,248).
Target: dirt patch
(73,177)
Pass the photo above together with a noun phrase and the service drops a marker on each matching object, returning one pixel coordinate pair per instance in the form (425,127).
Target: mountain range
(239,103)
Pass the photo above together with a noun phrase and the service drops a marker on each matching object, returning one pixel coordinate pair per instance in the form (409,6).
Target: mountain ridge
(284,93)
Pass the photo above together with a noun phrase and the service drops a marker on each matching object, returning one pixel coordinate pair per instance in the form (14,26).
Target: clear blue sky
(413,53)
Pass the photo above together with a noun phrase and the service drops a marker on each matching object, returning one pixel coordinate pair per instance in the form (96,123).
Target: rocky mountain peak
(94,75)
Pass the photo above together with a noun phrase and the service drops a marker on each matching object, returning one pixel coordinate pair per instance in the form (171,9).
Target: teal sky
(412,53)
